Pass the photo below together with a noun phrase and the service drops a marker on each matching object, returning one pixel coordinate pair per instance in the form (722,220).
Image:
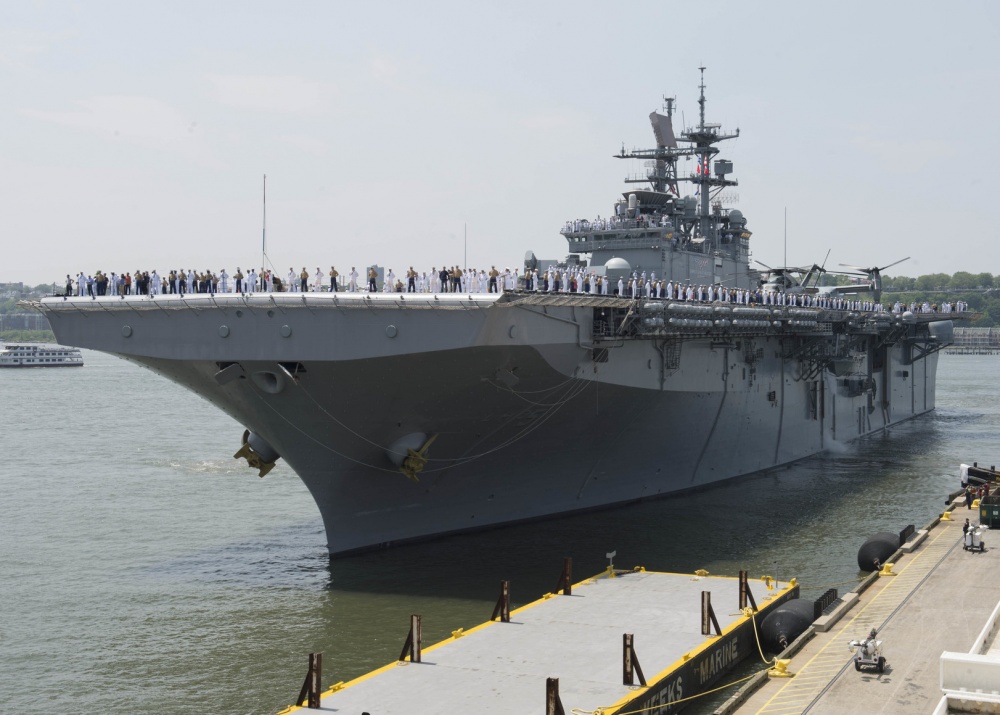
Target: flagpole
(263,243)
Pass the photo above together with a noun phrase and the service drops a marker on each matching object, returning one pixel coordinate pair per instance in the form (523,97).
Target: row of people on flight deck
(183,281)
(455,279)
(638,287)
(958,306)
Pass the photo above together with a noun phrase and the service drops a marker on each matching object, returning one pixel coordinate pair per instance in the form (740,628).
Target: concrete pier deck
(938,601)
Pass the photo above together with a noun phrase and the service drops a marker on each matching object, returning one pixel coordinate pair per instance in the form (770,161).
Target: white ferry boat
(38,355)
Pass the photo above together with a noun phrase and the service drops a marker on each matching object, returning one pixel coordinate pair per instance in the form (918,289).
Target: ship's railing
(584,226)
(589,243)
(586,243)
(756,316)
(265,301)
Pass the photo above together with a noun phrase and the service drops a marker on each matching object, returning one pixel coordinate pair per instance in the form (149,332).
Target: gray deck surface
(938,602)
(502,667)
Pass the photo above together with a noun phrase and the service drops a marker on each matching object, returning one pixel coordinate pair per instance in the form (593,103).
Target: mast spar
(263,241)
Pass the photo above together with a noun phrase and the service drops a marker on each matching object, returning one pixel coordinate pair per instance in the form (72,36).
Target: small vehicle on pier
(868,652)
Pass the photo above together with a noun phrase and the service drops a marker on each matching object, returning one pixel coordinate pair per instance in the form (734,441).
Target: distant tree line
(27,336)
(980,290)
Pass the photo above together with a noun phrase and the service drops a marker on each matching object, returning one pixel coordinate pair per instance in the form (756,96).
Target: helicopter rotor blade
(823,267)
(873,269)
(893,264)
(859,269)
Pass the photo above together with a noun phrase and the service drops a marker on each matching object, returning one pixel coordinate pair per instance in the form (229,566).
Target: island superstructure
(414,415)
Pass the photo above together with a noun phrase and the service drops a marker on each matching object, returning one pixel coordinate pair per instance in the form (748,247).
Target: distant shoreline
(27,336)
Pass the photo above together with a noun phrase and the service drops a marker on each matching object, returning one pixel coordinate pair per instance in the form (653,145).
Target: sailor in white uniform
(223,281)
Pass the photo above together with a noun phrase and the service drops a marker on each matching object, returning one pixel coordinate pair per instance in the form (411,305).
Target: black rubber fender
(785,623)
(876,550)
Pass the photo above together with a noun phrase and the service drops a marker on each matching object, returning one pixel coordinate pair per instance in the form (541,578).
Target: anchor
(257,458)
(415,461)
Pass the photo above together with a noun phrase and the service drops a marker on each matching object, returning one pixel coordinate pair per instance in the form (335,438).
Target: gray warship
(412,415)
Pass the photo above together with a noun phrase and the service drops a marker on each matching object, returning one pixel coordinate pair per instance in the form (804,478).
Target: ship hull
(529,413)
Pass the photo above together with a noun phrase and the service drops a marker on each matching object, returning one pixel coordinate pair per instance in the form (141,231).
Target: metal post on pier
(708,618)
(553,705)
(566,579)
(413,642)
(313,684)
(745,594)
(630,663)
(502,608)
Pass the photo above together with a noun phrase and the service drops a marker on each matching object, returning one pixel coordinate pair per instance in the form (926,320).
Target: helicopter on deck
(805,280)
(791,279)
(874,274)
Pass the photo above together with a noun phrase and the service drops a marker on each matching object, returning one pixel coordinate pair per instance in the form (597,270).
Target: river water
(142,569)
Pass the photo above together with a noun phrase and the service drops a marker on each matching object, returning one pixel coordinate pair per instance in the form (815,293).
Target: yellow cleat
(780,669)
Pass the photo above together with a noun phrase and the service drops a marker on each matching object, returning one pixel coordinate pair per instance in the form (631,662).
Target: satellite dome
(617,264)
(736,217)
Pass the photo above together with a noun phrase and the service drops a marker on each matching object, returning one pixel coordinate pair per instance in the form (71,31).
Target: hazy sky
(135,135)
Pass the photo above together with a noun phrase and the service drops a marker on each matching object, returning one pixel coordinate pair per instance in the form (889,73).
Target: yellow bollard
(886,570)
(946,516)
(780,669)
